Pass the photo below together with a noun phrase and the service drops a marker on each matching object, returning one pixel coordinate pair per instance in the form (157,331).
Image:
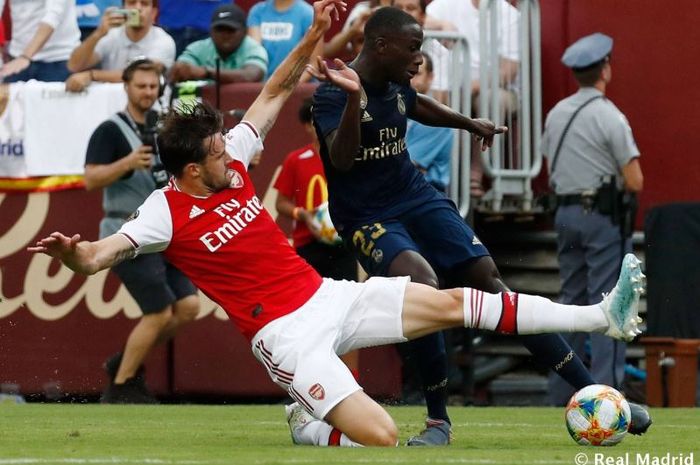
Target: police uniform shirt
(599,142)
(383,182)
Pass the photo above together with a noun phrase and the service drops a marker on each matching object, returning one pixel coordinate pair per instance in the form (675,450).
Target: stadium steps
(527,260)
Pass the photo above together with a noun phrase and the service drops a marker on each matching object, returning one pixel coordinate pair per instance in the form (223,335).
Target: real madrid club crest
(236,180)
(400,104)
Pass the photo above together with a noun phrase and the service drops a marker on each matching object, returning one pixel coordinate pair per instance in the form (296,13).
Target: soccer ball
(597,415)
(322,217)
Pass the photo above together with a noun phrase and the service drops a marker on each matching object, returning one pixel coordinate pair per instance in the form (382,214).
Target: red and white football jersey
(227,243)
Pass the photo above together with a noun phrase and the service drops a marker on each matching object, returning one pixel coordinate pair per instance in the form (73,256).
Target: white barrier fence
(45,130)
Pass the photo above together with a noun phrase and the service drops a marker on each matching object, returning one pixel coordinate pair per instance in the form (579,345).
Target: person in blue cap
(593,162)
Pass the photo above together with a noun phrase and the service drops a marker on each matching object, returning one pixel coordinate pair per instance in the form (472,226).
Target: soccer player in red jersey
(210,224)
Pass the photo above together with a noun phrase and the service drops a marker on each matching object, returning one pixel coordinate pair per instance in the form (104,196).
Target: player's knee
(159,319)
(385,435)
(187,309)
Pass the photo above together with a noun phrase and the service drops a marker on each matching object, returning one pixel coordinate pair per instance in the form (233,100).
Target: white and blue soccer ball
(323,218)
(598,415)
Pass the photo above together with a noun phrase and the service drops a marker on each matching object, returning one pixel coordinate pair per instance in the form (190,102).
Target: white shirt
(59,14)
(116,50)
(465,16)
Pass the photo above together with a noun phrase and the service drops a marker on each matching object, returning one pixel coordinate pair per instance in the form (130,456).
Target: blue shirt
(431,148)
(383,182)
(179,14)
(89,12)
(280,31)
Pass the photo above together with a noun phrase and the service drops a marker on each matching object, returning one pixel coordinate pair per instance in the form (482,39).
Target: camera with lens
(149,136)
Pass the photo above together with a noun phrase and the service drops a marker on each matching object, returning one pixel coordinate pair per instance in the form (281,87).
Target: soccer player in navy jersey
(395,221)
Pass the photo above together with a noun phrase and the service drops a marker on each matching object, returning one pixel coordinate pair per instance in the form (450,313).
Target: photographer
(595,172)
(122,159)
(123,35)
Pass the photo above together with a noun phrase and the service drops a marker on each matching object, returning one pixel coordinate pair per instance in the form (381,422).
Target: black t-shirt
(108,144)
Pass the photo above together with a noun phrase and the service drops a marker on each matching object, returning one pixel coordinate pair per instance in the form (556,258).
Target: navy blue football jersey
(383,182)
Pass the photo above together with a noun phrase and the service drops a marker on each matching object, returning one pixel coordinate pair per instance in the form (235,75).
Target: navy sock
(430,358)
(553,351)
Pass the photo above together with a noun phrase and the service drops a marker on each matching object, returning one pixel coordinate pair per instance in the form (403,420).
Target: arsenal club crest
(317,392)
(236,180)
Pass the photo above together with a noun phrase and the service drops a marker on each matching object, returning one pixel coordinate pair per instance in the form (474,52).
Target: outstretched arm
(85,257)
(433,113)
(266,107)
(343,142)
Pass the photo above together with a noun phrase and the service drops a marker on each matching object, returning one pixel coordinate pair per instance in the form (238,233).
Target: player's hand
(15,66)
(344,77)
(77,82)
(484,130)
(309,219)
(56,245)
(141,158)
(324,10)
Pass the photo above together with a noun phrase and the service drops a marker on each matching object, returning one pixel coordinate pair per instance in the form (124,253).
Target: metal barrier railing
(459,99)
(515,159)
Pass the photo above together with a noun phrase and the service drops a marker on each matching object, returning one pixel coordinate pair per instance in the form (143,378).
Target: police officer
(591,155)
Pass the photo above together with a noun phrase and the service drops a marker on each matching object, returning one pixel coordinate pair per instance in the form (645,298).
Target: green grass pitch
(202,435)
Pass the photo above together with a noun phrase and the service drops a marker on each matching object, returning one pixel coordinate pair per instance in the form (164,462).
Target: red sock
(334,438)
(508,324)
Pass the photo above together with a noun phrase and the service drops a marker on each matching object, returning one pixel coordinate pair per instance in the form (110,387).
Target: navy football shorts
(434,229)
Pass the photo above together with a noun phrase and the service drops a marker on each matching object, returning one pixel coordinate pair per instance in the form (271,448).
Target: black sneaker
(640,421)
(111,367)
(133,391)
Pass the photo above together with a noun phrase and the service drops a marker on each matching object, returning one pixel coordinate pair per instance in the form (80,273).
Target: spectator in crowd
(44,32)
(301,188)
(464,14)
(279,25)
(187,21)
(592,155)
(116,42)
(430,146)
(121,160)
(240,57)
(90,13)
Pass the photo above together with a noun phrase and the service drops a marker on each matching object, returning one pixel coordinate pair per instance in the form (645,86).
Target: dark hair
(423,4)
(386,21)
(181,141)
(428,62)
(588,76)
(139,64)
(305,111)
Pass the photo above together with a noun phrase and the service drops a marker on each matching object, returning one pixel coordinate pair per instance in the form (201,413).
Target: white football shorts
(300,350)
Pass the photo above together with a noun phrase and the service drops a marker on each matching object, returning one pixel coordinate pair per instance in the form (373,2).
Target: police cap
(587,51)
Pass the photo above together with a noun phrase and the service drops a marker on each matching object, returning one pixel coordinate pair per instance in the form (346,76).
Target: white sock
(320,433)
(514,313)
